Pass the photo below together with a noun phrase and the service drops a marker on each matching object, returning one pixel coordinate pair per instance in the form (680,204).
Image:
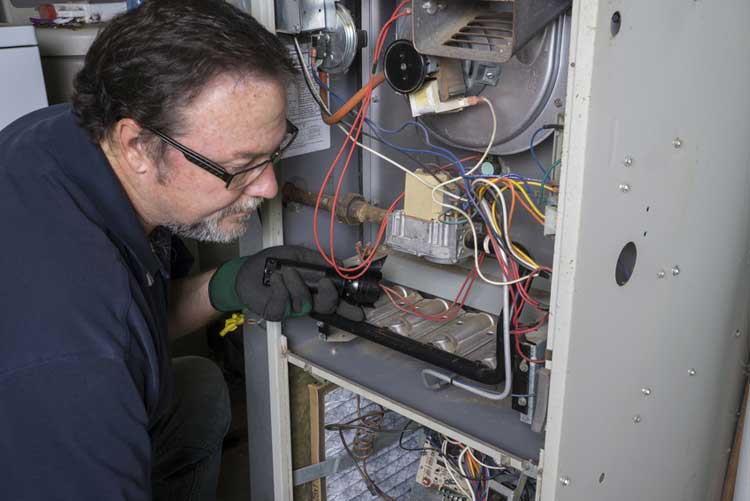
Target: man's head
(200,73)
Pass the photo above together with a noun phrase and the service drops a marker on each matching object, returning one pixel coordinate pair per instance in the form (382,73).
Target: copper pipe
(352,208)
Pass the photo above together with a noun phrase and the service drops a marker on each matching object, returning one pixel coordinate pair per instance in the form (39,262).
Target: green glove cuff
(221,287)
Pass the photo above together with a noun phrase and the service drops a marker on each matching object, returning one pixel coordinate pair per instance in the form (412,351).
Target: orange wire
(354,100)
(353,135)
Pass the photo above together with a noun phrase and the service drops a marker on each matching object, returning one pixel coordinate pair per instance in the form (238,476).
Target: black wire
(371,485)
(452,462)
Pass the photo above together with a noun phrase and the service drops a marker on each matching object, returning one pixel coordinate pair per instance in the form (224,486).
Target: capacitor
(405,68)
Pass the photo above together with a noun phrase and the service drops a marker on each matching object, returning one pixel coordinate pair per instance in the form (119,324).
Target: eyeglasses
(234,180)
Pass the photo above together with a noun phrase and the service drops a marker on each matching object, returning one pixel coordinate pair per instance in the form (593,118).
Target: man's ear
(126,135)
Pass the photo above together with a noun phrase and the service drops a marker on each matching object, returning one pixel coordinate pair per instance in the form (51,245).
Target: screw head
(565,481)
(661,274)
(677,143)
(624,187)
(637,418)
(691,372)
(737,333)
(558,103)
(430,7)
(522,401)
(627,161)
(646,391)
(675,270)
(489,74)
(523,366)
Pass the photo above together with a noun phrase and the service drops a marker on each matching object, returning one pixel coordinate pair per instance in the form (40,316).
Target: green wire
(441,218)
(542,193)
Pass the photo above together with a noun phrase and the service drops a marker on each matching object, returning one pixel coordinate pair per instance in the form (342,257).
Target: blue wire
(447,154)
(533,152)
(450,155)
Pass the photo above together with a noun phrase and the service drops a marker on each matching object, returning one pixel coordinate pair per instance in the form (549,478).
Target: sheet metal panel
(646,377)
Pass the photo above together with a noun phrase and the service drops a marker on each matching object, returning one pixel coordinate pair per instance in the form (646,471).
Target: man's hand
(239,283)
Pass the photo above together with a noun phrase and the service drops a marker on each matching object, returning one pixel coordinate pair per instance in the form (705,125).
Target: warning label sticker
(303,111)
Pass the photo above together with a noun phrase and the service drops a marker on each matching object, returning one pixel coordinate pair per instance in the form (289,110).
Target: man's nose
(265,185)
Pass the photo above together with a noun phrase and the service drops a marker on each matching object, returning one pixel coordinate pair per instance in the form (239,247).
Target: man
(90,405)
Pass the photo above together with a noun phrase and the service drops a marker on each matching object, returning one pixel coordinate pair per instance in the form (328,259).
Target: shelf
(397,378)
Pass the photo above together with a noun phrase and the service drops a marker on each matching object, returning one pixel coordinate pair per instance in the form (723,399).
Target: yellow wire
(520,187)
(496,225)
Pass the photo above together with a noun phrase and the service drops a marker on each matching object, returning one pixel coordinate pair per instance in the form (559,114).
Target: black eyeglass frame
(216,169)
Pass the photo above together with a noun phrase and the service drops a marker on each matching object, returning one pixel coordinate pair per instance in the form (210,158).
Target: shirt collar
(108,205)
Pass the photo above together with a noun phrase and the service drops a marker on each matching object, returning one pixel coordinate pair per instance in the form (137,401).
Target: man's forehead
(237,117)
(246,111)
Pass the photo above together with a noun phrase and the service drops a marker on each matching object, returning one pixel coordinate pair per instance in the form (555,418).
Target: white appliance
(63,53)
(22,84)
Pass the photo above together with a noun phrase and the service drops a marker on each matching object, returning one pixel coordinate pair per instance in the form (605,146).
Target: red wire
(464,159)
(449,313)
(359,124)
(521,288)
(353,137)
(523,355)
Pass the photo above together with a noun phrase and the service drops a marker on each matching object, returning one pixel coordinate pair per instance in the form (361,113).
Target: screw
(677,143)
(675,270)
(565,481)
(522,401)
(737,333)
(661,274)
(691,372)
(624,188)
(489,74)
(558,102)
(637,418)
(430,7)
(375,99)
(646,391)
(627,161)
(523,366)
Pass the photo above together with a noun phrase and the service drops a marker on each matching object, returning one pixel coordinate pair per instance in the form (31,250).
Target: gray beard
(209,229)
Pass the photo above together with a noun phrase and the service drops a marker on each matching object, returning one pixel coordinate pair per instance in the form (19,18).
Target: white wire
(476,247)
(464,214)
(461,469)
(399,166)
(486,465)
(504,232)
(434,188)
(474,388)
(486,207)
(486,151)
(312,85)
(450,472)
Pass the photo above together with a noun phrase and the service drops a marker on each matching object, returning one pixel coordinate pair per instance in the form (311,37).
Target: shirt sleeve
(79,429)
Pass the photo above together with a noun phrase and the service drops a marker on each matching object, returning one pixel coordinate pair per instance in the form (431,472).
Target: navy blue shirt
(84,364)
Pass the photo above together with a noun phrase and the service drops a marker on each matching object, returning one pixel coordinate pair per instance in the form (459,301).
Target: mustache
(243,205)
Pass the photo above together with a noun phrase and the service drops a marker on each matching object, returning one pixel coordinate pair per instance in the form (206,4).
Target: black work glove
(239,283)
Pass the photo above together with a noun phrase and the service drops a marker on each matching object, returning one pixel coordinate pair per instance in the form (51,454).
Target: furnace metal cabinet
(646,378)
